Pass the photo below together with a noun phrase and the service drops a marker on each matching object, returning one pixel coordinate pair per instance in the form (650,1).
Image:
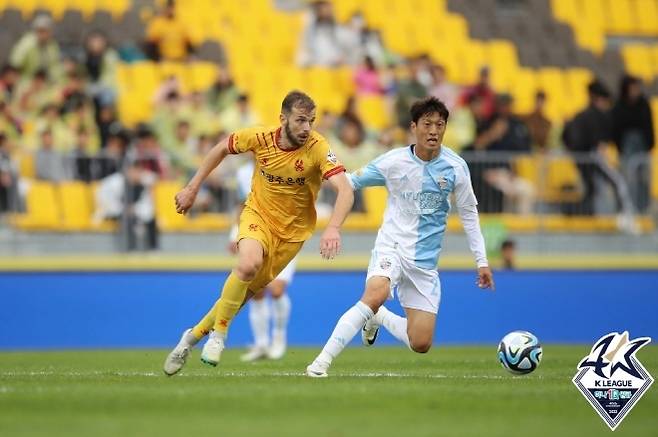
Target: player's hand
(185,199)
(485,278)
(330,242)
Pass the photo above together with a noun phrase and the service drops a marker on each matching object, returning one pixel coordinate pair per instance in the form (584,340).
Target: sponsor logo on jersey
(611,377)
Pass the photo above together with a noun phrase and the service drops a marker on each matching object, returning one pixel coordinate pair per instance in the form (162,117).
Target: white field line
(221,374)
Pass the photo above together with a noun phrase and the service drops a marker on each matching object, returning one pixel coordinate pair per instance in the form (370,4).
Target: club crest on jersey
(263,161)
(331,157)
(299,165)
(385,263)
(253,227)
(611,377)
(443,182)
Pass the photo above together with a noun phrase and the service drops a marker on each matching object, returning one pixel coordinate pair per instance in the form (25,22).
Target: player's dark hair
(299,99)
(426,106)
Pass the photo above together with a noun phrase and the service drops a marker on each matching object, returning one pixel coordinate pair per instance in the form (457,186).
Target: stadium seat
(43,209)
(166,215)
(646,14)
(373,111)
(77,207)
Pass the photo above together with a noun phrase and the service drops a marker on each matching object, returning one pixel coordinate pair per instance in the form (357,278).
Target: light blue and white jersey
(418,199)
(243,176)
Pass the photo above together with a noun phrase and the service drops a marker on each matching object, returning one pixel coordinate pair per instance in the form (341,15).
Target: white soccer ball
(519,352)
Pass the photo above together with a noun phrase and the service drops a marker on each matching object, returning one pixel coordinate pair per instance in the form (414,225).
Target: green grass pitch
(379,391)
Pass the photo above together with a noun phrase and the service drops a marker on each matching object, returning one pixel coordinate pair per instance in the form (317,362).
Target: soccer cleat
(317,370)
(177,357)
(369,332)
(278,347)
(212,350)
(253,354)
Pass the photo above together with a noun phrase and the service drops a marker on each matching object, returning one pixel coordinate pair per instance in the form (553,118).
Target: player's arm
(330,241)
(368,176)
(185,197)
(468,214)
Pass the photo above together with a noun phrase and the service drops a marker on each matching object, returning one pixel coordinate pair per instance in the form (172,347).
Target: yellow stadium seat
(163,197)
(75,199)
(373,111)
(43,210)
(561,173)
(620,18)
(654,173)
(638,60)
(25,162)
(646,14)
(202,75)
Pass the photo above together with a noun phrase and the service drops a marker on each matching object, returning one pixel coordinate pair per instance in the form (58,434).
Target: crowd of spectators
(58,111)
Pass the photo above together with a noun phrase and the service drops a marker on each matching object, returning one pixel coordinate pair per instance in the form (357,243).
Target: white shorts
(417,288)
(287,273)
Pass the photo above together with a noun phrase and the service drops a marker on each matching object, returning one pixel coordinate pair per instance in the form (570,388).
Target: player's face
(429,133)
(297,125)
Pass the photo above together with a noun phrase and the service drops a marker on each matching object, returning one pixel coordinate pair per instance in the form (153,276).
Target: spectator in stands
(633,135)
(50,120)
(389,138)
(10,126)
(111,157)
(181,147)
(8,178)
(147,153)
(33,94)
(81,117)
(167,37)
(409,89)
(48,162)
(587,136)
(465,123)
(442,89)
(358,41)
(79,159)
(327,123)
(508,254)
(239,116)
(9,77)
(72,91)
(539,126)
(107,123)
(223,92)
(202,119)
(37,50)
(483,90)
(101,62)
(320,44)
(366,78)
(504,137)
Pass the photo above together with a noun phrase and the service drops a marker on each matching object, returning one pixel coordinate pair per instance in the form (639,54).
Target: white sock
(348,325)
(393,323)
(280,315)
(259,319)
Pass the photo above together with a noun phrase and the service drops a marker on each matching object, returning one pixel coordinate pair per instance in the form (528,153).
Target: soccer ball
(519,352)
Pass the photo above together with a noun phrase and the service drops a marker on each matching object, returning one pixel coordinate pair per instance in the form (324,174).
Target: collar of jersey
(412,148)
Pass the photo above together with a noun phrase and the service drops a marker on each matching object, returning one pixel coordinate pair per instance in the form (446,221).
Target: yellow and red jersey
(285,183)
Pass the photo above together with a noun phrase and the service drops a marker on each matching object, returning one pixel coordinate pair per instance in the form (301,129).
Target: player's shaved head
(428,106)
(297,99)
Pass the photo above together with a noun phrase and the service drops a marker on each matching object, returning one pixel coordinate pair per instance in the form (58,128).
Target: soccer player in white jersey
(259,309)
(419,179)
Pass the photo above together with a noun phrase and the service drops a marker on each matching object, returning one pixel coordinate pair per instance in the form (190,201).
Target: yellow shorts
(277,252)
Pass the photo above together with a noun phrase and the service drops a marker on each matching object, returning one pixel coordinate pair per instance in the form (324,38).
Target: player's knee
(248,268)
(420,344)
(277,288)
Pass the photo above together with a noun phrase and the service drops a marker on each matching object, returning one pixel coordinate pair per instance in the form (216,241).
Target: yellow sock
(205,325)
(229,302)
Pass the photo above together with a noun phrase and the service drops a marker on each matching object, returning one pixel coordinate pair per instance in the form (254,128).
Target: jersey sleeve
(328,162)
(369,176)
(243,140)
(464,195)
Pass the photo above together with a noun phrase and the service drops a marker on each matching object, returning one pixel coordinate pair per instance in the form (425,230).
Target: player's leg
(420,329)
(280,311)
(352,321)
(259,319)
(234,293)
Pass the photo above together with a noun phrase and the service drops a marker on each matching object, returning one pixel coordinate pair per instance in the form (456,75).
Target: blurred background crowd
(107,107)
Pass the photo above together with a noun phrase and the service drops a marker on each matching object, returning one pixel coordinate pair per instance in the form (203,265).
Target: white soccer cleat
(369,332)
(177,357)
(278,348)
(212,350)
(317,370)
(253,354)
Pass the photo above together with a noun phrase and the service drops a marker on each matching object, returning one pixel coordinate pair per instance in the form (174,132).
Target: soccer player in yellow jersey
(279,214)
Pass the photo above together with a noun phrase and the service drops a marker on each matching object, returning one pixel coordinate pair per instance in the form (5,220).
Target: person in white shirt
(260,313)
(419,179)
